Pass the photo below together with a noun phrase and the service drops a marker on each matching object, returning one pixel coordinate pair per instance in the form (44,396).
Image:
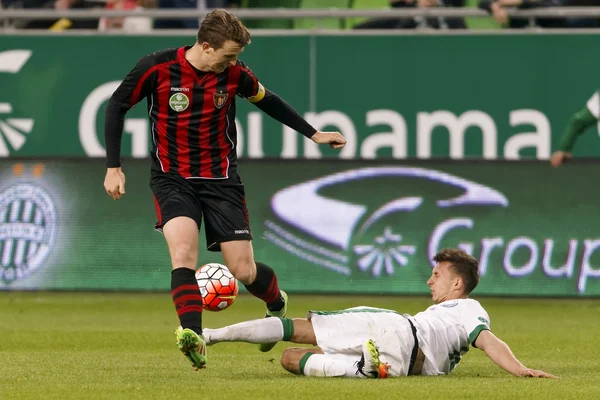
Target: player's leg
(258,278)
(265,330)
(313,362)
(181,234)
(179,216)
(293,358)
(228,230)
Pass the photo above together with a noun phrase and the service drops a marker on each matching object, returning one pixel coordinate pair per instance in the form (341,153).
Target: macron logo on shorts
(241,231)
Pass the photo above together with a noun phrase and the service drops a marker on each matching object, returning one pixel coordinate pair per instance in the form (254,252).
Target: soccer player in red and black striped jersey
(191,93)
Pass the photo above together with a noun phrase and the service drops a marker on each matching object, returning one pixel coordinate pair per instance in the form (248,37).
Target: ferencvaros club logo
(28,225)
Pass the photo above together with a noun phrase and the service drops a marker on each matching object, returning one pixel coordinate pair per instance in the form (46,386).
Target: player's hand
(333,139)
(114,183)
(533,373)
(559,158)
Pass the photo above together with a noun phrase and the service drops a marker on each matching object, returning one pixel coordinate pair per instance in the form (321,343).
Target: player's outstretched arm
(501,355)
(278,109)
(578,123)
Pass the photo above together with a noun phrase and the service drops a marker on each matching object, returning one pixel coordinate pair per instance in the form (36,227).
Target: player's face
(442,282)
(220,59)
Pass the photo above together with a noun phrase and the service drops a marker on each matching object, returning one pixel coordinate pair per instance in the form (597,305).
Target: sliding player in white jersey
(379,343)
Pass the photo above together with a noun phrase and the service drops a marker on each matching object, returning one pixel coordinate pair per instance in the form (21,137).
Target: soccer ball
(218,286)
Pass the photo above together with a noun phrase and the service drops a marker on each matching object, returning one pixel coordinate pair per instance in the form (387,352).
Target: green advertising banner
(422,96)
(325,227)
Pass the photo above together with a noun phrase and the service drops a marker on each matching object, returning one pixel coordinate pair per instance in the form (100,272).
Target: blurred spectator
(583,22)
(417,22)
(497,8)
(126,24)
(24,3)
(64,23)
(188,4)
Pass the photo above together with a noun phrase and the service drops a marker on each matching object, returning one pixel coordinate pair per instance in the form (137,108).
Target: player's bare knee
(244,271)
(239,258)
(184,255)
(290,360)
(285,359)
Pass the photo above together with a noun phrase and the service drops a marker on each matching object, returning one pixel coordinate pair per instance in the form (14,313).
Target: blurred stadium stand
(314,14)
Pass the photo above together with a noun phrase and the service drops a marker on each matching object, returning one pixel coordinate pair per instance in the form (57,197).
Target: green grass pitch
(122,346)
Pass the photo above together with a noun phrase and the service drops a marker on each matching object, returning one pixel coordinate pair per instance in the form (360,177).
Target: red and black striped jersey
(192,113)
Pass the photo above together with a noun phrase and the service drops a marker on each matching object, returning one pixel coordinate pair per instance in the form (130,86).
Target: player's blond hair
(465,265)
(219,26)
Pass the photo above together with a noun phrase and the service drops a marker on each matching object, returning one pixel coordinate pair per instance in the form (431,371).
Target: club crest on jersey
(179,102)
(220,99)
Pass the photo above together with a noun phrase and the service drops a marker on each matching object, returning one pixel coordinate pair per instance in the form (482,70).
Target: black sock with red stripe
(187,298)
(265,287)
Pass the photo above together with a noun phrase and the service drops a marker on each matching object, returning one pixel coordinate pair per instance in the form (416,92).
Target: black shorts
(222,204)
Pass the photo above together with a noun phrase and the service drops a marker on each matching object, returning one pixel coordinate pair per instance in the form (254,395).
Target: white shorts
(342,333)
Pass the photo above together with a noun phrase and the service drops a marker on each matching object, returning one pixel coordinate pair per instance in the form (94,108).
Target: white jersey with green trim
(593,104)
(446,330)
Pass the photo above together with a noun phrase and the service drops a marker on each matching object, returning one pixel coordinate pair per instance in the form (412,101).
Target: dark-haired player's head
(455,275)
(221,37)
